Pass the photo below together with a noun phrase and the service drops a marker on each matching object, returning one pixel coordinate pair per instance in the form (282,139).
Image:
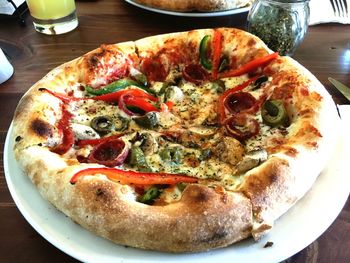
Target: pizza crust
(201,220)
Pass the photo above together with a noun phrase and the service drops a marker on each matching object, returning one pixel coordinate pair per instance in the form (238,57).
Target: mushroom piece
(149,144)
(83,132)
(229,150)
(202,131)
(252,159)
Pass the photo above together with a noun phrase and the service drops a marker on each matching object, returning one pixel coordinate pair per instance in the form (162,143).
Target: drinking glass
(53,17)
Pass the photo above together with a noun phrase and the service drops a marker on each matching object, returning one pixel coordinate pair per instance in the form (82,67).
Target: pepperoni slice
(109,153)
(154,69)
(240,102)
(195,73)
(242,127)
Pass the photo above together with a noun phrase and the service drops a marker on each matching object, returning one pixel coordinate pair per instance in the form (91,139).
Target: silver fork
(340,8)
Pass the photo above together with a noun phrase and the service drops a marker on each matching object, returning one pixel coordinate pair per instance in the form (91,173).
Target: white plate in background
(190,14)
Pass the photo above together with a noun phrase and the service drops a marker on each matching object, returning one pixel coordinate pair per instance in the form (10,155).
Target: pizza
(197,5)
(180,142)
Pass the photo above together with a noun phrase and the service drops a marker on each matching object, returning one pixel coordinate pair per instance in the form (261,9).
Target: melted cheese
(194,105)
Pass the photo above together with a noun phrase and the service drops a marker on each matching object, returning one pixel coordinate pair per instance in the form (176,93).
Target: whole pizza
(180,142)
(195,5)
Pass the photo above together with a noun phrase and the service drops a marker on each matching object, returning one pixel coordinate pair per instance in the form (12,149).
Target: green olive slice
(121,123)
(149,121)
(102,124)
(172,155)
(274,113)
(138,160)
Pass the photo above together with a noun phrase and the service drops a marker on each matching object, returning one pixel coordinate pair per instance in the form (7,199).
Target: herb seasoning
(281,24)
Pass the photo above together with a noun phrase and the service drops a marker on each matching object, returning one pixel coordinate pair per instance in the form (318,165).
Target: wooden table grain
(325,52)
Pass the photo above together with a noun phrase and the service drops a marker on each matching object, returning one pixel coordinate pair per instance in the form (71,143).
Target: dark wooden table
(325,52)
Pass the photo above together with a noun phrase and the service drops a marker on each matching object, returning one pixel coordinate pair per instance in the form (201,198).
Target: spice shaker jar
(281,24)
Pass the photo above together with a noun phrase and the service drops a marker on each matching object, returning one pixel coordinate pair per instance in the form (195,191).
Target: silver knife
(345,90)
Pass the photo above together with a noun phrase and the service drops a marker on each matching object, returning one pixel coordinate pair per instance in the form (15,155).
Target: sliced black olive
(260,81)
(274,113)
(121,123)
(149,120)
(149,196)
(102,124)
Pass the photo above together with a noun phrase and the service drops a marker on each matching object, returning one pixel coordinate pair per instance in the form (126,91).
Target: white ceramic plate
(299,227)
(190,14)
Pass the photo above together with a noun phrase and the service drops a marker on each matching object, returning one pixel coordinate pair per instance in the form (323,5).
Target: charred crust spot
(273,178)
(200,196)
(41,128)
(18,138)
(99,192)
(218,235)
(95,58)
(41,89)
(93,61)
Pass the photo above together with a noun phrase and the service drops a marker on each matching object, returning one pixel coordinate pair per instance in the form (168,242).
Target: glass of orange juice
(53,17)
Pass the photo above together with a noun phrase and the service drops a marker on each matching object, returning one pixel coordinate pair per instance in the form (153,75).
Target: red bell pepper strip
(62,97)
(217,44)
(250,66)
(169,105)
(68,135)
(132,177)
(82,143)
(221,102)
(140,103)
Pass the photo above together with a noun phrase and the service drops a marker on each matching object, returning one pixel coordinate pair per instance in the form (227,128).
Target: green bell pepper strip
(151,194)
(116,86)
(203,52)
